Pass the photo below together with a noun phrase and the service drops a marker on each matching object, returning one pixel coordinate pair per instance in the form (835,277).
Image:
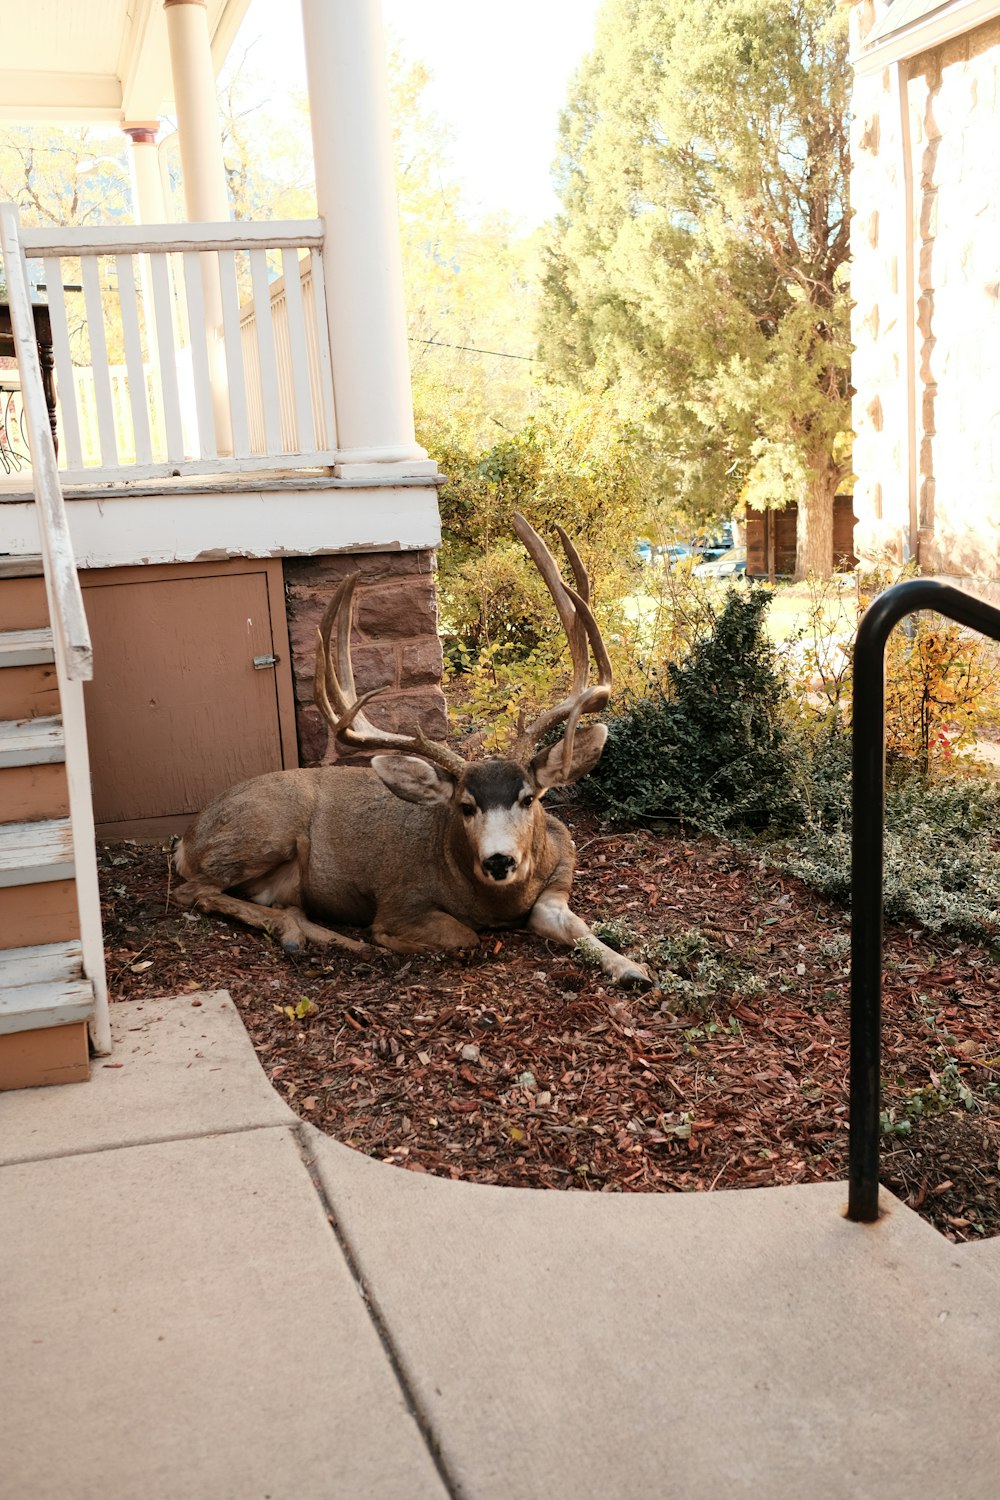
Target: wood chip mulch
(517,1064)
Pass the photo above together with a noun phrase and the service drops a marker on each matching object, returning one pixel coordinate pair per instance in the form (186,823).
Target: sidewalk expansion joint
(152,1140)
(385,1337)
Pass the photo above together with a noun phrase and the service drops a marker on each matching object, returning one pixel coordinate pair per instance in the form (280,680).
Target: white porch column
(147,184)
(206,196)
(205,193)
(356,196)
(148,207)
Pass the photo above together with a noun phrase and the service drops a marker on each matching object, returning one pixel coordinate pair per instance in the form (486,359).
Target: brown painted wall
(177,712)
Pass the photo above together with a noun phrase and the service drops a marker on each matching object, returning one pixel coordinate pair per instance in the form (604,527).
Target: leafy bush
(496,676)
(941,681)
(709,748)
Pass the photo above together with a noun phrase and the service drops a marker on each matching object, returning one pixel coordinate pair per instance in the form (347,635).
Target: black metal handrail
(866,860)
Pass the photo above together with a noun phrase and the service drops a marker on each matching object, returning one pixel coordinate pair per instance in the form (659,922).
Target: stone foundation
(394,643)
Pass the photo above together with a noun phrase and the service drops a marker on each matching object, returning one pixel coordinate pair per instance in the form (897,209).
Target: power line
(468,349)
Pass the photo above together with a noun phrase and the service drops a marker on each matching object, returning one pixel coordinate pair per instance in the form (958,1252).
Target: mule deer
(425,847)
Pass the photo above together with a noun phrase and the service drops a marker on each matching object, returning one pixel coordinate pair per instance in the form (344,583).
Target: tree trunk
(814,526)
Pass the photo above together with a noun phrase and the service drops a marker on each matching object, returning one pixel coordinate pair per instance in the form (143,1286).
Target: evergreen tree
(697,267)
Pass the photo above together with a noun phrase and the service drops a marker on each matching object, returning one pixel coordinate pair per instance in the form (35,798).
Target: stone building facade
(925,191)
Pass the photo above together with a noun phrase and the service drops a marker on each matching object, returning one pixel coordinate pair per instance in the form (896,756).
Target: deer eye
(526,799)
(469,809)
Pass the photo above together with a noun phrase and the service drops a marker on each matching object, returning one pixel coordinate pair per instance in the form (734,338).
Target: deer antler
(583,635)
(337,699)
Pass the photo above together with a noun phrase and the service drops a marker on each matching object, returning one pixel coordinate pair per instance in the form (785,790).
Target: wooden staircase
(46,1000)
(53,990)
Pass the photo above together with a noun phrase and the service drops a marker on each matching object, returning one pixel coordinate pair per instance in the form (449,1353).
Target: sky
(499,78)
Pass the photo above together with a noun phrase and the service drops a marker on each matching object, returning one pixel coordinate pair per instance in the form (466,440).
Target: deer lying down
(422,846)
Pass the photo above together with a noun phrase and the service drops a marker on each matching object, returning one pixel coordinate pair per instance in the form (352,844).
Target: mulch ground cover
(520,1065)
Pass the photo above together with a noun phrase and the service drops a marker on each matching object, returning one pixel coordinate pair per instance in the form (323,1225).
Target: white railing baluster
(167,356)
(323,348)
(305,437)
(266,350)
(133,358)
(99,360)
(234,353)
(198,331)
(180,403)
(70,447)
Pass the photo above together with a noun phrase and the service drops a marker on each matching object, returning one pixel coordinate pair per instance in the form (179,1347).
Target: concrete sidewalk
(203,1297)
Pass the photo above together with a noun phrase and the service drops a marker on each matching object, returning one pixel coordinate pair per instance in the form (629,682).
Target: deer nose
(499,866)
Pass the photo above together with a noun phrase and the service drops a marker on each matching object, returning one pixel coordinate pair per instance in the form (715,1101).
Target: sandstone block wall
(952,113)
(878,369)
(394,643)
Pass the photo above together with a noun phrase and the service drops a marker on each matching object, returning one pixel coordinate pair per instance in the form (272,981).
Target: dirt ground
(518,1064)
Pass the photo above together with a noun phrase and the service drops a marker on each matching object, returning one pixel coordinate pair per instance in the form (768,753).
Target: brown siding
(844,521)
(52,1054)
(28,793)
(28,692)
(45,912)
(23,605)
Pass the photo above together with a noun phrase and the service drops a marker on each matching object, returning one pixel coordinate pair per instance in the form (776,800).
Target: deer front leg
(289,924)
(431,933)
(551,918)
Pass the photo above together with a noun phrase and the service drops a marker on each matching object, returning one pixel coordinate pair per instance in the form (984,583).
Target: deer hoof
(636,979)
(293,944)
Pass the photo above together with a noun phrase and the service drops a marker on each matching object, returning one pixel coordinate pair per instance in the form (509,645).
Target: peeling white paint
(280,523)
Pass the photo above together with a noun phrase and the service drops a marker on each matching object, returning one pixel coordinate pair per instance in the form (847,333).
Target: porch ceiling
(106,60)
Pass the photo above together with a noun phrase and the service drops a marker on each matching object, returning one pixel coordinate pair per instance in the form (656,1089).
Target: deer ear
(414,779)
(546,766)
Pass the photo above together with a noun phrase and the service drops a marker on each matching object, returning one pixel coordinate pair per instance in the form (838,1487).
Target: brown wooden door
(177,711)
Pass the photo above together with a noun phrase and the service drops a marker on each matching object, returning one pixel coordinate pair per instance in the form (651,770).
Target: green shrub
(709,748)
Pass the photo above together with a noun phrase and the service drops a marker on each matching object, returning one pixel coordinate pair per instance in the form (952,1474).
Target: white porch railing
(70,632)
(288,358)
(205,389)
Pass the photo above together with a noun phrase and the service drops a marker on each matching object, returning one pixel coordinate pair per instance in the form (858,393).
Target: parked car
(731,564)
(663,555)
(672,555)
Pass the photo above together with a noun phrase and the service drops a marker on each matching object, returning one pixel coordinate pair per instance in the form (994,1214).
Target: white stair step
(31,742)
(40,964)
(29,1007)
(26,648)
(32,852)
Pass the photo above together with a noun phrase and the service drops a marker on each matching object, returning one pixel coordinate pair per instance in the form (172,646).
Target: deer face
(495,804)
